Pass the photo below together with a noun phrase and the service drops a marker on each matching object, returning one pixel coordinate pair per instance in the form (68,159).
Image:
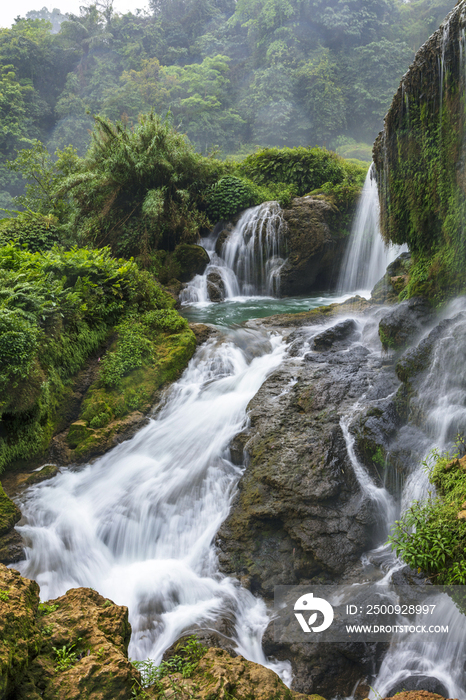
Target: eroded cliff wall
(420,158)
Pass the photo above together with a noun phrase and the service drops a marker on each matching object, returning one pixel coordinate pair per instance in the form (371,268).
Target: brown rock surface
(221,677)
(72,647)
(19,634)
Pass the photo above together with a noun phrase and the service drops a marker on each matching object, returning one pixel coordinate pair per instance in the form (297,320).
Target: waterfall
(441,400)
(367,256)
(138,524)
(250,260)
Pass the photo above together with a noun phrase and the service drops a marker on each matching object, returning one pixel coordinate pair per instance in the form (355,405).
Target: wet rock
(332,670)
(218,676)
(202,332)
(393,282)
(222,237)
(416,360)
(47,471)
(20,638)
(400,326)
(315,246)
(192,260)
(299,512)
(340,331)
(429,684)
(215,287)
(374,430)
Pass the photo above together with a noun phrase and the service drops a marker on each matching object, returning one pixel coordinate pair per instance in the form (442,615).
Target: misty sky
(10,10)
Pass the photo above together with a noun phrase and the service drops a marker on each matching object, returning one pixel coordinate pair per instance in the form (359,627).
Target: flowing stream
(138,524)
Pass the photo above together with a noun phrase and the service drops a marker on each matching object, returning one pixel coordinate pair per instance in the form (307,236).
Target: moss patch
(9,513)
(108,410)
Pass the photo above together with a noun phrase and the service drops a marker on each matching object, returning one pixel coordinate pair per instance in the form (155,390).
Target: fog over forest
(232,76)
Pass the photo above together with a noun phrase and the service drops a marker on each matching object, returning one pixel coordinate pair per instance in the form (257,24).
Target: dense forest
(232,76)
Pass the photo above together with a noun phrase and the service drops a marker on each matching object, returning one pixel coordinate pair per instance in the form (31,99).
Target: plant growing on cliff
(190,652)
(66,656)
(431,535)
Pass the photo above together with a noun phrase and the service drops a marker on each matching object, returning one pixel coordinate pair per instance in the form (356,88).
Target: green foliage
(305,168)
(66,656)
(134,347)
(230,195)
(56,308)
(185,662)
(4,596)
(139,189)
(30,229)
(47,608)
(43,175)
(430,535)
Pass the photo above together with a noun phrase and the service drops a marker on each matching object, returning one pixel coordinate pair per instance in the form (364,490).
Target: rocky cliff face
(420,161)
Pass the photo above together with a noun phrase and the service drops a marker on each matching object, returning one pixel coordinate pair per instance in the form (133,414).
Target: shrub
(305,168)
(56,308)
(35,231)
(230,195)
(430,535)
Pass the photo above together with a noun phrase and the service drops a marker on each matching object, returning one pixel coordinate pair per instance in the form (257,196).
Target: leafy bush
(35,231)
(230,195)
(305,168)
(190,651)
(139,189)
(430,535)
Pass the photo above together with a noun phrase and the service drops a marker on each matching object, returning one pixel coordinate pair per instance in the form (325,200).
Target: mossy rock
(192,260)
(9,513)
(78,433)
(19,635)
(107,412)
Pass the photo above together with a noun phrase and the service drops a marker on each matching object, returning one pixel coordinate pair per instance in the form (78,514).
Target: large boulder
(400,326)
(315,245)
(299,512)
(215,287)
(393,282)
(219,676)
(73,647)
(192,260)
(20,638)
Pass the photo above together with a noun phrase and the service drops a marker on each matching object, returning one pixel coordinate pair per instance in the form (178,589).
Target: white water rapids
(138,524)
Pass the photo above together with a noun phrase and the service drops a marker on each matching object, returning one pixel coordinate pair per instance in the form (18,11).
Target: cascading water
(367,256)
(251,257)
(441,400)
(138,524)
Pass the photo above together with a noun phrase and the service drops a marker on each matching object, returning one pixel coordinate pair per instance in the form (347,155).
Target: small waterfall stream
(250,260)
(138,523)
(367,256)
